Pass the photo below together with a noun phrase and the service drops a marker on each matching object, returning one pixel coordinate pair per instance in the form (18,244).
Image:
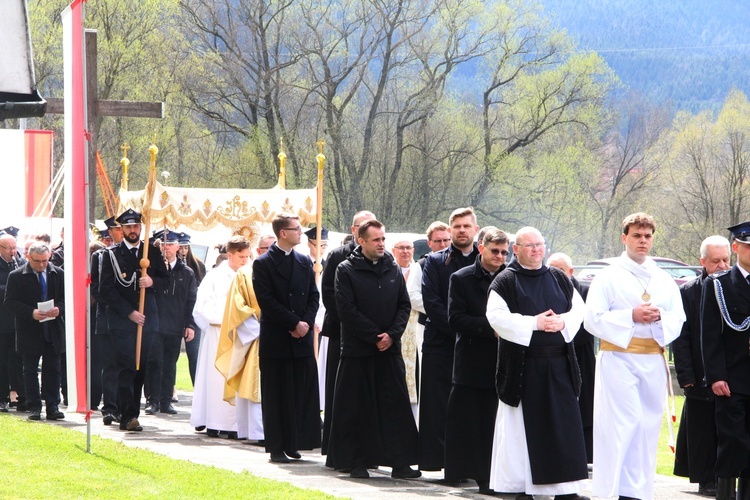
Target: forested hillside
(688,53)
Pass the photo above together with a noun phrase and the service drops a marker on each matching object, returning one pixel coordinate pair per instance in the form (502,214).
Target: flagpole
(153,150)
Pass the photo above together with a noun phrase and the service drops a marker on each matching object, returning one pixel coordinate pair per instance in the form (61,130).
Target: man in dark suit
(120,283)
(725,319)
(11,368)
(472,404)
(695,453)
(284,284)
(40,331)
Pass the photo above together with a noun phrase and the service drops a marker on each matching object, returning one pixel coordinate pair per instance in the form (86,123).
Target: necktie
(43,285)
(134,251)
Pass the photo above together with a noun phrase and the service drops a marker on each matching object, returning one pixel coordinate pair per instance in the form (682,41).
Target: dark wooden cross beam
(96,108)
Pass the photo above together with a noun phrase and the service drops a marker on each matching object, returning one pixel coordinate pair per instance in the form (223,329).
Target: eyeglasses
(404,248)
(10,249)
(446,240)
(496,251)
(297,229)
(531,245)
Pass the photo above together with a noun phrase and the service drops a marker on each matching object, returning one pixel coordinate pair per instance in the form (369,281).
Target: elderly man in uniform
(120,283)
(535,311)
(695,453)
(725,319)
(635,308)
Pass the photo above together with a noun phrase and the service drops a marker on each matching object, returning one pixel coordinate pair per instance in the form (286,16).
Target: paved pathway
(172,435)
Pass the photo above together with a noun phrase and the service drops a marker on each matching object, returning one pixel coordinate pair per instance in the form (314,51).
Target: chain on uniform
(118,273)
(719,292)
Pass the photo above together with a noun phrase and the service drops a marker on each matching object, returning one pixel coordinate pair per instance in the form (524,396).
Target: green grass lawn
(664,456)
(182,381)
(45,461)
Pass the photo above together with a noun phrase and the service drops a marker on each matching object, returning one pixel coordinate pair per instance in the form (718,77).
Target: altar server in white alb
(210,411)
(635,308)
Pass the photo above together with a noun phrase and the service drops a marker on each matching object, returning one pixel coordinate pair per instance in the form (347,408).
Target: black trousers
(11,368)
(121,345)
(95,384)
(161,368)
(191,350)
(695,453)
(733,428)
(108,375)
(50,377)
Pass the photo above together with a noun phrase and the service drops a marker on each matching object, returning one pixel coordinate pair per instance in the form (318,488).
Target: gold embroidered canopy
(202,209)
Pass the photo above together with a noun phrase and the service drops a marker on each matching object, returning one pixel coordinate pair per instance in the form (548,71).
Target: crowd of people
(464,360)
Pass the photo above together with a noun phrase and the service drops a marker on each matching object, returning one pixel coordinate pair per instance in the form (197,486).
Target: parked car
(681,272)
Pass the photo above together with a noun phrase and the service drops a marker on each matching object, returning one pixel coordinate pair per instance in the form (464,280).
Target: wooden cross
(96,108)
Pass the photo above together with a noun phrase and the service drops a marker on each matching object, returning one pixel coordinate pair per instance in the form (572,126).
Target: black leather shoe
(54,413)
(131,425)
(359,473)
(152,408)
(21,406)
(200,428)
(707,489)
(571,496)
(405,473)
(108,418)
(4,406)
(35,414)
(293,454)
(279,458)
(168,409)
(212,433)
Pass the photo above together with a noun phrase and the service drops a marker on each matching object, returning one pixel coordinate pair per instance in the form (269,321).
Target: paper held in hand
(46,306)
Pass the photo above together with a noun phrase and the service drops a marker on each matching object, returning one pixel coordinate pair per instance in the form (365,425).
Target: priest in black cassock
(372,422)
(284,284)
(472,404)
(535,311)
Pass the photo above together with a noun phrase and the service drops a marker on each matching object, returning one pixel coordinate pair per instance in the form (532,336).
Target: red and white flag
(76,208)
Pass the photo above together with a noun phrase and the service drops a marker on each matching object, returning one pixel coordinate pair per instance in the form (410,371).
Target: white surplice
(630,389)
(511,470)
(209,408)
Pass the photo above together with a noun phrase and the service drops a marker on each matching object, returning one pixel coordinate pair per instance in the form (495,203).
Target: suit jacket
(287,294)
(22,293)
(475,354)
(121,299)
(725,350)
